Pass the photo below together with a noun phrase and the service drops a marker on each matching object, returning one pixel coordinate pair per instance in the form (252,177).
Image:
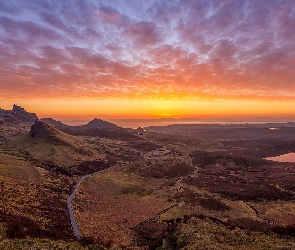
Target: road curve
(75,227)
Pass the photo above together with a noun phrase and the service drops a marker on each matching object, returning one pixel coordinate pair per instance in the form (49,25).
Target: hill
(55,123)
(47,145)
(47,132)
(94,124)
(98,123)
(102,129)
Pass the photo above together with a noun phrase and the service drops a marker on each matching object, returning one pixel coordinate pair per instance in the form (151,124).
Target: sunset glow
(148,59)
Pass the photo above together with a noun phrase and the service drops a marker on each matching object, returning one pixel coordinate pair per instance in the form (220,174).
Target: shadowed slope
(48,133)
(50,146)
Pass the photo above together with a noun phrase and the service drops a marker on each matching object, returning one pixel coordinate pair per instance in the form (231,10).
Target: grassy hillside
(47,145)
(32,199)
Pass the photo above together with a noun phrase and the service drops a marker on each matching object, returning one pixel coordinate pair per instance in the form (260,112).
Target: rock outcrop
(15,122)
(22,115)
(17,116)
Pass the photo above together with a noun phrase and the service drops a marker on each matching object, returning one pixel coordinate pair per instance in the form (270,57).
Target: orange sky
(86,109)
(148,59)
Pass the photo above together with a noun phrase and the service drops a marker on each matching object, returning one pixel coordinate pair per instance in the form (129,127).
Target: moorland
(196,186)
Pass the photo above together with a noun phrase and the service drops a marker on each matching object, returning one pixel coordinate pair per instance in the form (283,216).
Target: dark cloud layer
(180,48)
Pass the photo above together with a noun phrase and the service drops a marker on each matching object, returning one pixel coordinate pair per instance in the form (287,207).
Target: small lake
(290,157)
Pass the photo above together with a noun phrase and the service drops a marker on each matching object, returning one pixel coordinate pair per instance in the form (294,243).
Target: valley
(171,187)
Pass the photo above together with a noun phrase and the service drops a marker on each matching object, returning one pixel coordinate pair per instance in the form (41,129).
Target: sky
(76,59)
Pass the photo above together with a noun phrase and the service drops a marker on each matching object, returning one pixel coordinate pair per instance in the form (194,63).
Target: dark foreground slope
(32,199)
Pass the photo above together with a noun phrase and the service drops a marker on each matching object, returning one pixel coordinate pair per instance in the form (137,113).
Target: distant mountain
(18,121)
(94,124)
(17,116)
(98,123)
(96,128)
(56,123)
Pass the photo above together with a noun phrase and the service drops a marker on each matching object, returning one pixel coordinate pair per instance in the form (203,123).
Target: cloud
(177,49)
(145,33)
(8,7)
(53,20)
(109,14)
(27,30)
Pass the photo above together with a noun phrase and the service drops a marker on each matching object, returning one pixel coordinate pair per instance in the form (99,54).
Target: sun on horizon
(114,59)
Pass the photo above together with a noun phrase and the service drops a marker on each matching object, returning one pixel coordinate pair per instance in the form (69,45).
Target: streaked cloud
(148,49)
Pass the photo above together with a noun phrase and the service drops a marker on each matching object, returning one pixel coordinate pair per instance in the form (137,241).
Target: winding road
(75,227)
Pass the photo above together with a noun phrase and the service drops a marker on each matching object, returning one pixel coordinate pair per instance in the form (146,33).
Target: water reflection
(290,157)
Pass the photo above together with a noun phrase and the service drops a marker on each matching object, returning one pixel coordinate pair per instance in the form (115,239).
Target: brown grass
(116,202)
(203,233)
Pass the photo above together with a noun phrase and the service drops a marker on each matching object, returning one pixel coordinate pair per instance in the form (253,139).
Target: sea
(135,123)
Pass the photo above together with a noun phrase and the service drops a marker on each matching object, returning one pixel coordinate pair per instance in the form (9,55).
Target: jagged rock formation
(17,115)
(15,122)
(23,115)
